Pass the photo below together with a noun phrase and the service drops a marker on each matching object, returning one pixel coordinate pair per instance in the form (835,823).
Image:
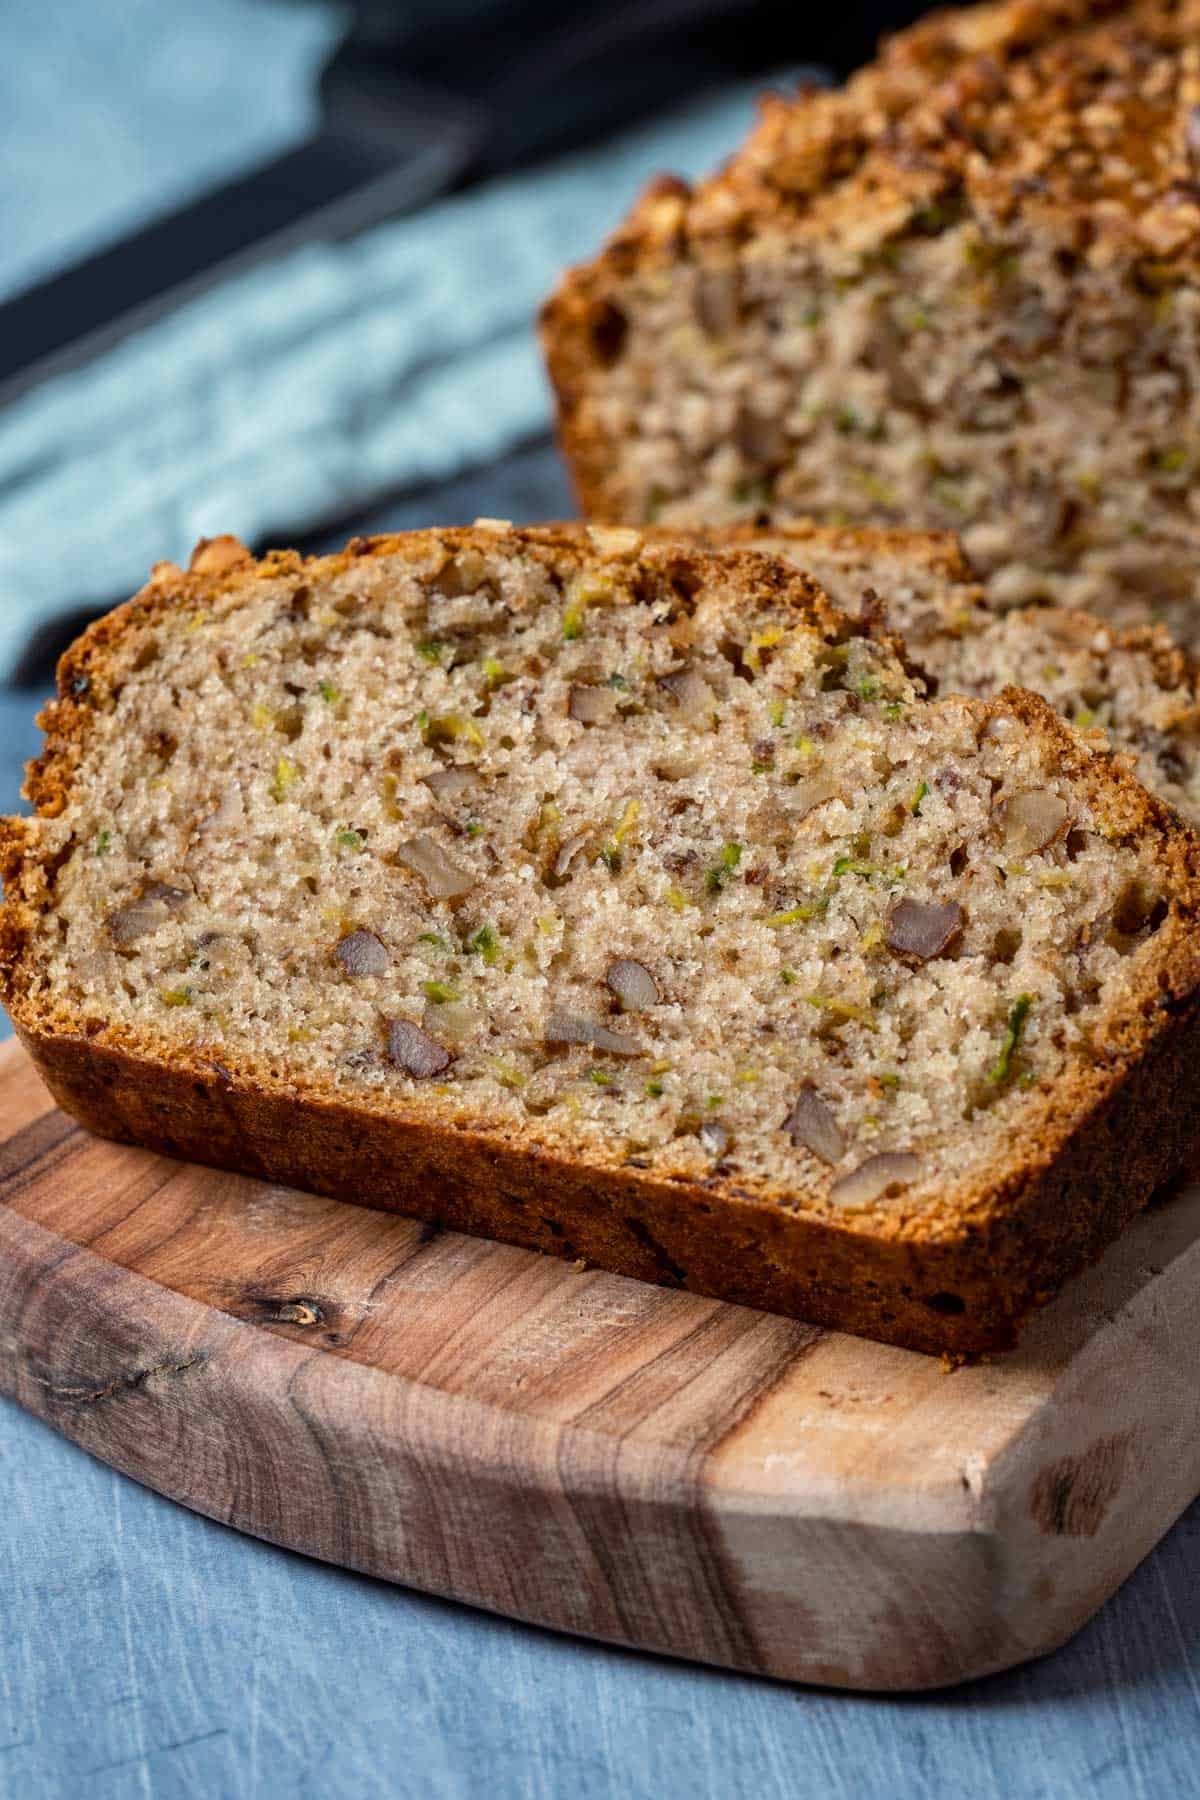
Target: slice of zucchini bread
(962,291)
(1136,689)
(618,900)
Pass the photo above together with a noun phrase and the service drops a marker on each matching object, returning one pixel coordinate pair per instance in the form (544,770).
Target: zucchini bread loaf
(1135,689)
(962,291)
(614,899)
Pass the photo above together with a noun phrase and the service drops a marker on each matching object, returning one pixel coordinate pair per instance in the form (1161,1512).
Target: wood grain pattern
(586,1452)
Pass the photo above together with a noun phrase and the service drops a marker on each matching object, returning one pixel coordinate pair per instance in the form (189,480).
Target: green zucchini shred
(1012,1037)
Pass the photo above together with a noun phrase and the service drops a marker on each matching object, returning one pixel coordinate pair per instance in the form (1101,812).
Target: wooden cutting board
(586,1452)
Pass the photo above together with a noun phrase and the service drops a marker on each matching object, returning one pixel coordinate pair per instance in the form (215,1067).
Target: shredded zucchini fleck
(1012,1037)
(485,943)
(1172,460)
(843,1010)
(795,915)
(718,875)
(449,728)
(627,822)
(440,992)
(286,776)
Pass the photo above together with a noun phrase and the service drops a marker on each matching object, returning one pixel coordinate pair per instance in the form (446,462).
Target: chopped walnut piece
(918,928)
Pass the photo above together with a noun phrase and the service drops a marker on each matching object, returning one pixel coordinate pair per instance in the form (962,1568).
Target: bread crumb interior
(598,853)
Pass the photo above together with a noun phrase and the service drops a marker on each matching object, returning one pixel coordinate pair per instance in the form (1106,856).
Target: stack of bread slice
(625,898)
(799,912)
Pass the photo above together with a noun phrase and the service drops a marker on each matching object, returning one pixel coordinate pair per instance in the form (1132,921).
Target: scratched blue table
(144,1651)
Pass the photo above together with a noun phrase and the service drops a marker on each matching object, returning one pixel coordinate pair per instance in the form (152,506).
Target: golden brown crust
(940,554)
(1074,114)
(954,1276)
(961,1291)
(1077,121)
(935,552)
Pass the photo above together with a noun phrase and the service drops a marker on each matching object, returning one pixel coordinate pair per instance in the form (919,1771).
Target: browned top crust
(91,669)
(1076,118)
(937,554)
(934,553)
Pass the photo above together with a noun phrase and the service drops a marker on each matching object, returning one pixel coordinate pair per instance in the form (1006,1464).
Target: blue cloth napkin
(304,390)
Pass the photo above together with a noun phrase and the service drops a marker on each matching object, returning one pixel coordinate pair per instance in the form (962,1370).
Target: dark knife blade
(333,185)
